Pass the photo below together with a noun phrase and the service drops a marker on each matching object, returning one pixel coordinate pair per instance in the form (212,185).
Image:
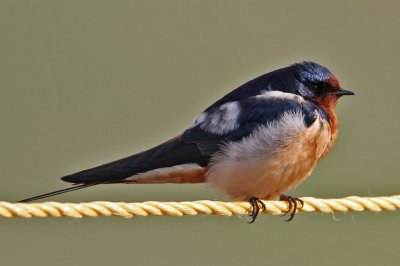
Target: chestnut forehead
(333,81)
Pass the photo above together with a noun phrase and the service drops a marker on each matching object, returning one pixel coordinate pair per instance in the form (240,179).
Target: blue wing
(170,153)
(231,121)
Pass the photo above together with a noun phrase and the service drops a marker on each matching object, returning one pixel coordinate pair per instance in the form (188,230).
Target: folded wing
(214,128)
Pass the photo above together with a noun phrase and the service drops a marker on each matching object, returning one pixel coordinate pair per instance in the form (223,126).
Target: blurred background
(86,82)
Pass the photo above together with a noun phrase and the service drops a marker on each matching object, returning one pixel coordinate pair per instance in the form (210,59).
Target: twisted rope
(127,210)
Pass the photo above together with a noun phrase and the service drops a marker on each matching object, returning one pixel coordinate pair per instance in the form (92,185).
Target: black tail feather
(57,192)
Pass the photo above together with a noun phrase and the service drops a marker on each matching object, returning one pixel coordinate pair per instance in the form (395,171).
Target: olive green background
(87,82)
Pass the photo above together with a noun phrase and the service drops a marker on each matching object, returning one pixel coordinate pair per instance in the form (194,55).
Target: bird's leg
(255,203)
(293,204)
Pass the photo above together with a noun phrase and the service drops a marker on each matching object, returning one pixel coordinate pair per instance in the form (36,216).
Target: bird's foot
(255,203)
(293,205)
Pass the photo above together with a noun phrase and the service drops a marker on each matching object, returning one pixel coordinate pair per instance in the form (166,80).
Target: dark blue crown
(311,72)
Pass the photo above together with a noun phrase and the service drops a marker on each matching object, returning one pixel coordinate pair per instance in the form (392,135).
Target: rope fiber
(128,210)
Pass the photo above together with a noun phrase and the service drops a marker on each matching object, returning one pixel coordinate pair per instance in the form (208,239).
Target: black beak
(343,92)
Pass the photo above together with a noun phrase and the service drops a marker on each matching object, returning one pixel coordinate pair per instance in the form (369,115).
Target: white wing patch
(224,119)
(221,120)
(279,95)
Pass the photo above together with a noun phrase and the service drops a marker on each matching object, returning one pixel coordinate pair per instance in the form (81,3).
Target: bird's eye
(319,89)
(325,89)
(315,87)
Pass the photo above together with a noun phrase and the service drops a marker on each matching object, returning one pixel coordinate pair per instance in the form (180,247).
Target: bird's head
(318,84)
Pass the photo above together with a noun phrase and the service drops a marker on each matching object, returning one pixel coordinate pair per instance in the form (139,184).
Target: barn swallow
(257,142)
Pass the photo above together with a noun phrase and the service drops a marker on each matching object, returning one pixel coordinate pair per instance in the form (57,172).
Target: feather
(58,192)
(171,153)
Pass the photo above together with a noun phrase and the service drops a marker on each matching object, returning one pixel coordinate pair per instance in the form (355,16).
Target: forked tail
(57,192)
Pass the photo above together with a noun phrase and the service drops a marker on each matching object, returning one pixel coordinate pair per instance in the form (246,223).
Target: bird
(255,143)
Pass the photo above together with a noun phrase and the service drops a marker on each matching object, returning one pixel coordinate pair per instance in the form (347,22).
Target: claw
(293,205)
(255,203)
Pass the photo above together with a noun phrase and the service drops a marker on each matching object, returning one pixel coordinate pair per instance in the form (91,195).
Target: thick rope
(127,210)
